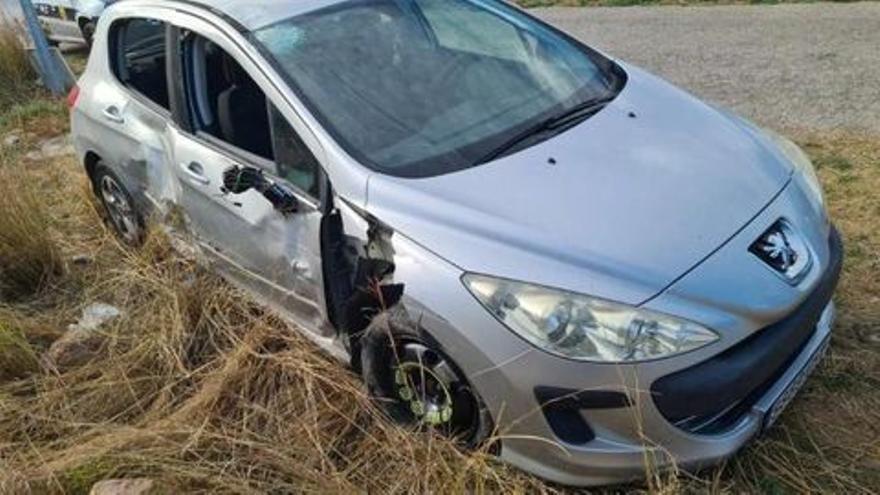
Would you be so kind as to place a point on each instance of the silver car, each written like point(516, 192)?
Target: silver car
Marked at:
point(515, 238)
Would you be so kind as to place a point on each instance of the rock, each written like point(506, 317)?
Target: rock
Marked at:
point(82, 260)
point(11, 140)
point(137, 486)
point(52, 148)
point(185, 249)
point(82, 342)
point(75, 348)
point(94, 316)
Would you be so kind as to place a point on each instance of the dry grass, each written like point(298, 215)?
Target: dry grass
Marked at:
point(29, 261)
point(206, 392)
point(16, 74)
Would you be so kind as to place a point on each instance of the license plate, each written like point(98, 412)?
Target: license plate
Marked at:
point(795, 386)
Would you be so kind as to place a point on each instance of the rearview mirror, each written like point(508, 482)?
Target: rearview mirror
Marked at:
point(238, 180)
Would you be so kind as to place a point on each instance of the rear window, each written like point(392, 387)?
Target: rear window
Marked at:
point(139, 61)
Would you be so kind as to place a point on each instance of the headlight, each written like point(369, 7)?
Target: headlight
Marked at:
point(802, 164)
point(585, 328)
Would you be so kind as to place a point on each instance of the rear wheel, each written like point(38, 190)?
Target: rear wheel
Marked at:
point(122, 212)
point(417, 384)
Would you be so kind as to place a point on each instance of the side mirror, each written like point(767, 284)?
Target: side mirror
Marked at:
point(282, 199)
point(238, 180)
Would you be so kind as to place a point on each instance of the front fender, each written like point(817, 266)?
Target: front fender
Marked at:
point(437, 301)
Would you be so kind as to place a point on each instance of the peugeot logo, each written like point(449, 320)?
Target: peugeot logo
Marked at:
point(779, 250)
point(783, 250)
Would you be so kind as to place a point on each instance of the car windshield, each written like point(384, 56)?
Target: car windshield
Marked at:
point(417, 88)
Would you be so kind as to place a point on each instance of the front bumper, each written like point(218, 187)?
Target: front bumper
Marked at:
point(632, 418)
point(710, 397)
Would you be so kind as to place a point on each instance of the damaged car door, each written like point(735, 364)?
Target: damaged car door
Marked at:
point(266, 234)
point(129, 113)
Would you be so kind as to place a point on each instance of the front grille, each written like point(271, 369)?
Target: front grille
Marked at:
point(713, 396)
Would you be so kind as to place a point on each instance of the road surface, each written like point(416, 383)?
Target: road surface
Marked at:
point(796, 66)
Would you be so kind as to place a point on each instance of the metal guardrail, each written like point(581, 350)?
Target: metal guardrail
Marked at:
point(51, 70)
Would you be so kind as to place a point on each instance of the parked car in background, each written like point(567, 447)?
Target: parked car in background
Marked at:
point(70, 21)
point(510, 235)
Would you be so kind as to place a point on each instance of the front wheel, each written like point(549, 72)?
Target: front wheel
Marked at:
point(417, 384)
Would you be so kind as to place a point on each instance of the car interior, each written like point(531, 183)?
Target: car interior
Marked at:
point(380, 72)
point(224, 101)
point(227, 103)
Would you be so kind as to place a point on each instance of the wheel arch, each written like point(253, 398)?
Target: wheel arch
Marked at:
point(90, 163)
point(403, 323)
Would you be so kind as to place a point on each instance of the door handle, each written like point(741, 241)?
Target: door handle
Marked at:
point(114, 114)
point(196, 172)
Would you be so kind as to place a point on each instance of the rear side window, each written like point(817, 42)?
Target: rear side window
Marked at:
point(139, 59)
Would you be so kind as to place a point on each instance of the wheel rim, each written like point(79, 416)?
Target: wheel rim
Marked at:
point(122, 215)
point(432, 392)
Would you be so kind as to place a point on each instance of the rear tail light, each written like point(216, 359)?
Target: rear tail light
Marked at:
point(73, 97)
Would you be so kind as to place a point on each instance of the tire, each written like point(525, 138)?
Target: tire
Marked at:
point(88, 32)
point(453, 408)
point(122, 213)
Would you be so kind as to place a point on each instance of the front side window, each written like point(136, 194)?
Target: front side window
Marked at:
point(139, 58)
point(417, 88)
point(225, 103)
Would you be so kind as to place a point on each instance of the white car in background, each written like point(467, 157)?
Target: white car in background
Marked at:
point(70, 21)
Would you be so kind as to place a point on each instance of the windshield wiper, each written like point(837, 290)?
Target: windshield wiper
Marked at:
point(554, 123)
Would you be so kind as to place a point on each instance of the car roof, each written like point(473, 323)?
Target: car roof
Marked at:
point(251, 16)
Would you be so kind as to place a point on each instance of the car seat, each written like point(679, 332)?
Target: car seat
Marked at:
point(242, 112)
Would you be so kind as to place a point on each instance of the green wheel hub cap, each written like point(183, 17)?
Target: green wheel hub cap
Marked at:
point(425, 382)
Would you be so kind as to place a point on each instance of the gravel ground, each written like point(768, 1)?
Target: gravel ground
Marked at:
point(796, 66)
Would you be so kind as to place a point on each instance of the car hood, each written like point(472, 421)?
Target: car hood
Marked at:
point(640, 194)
